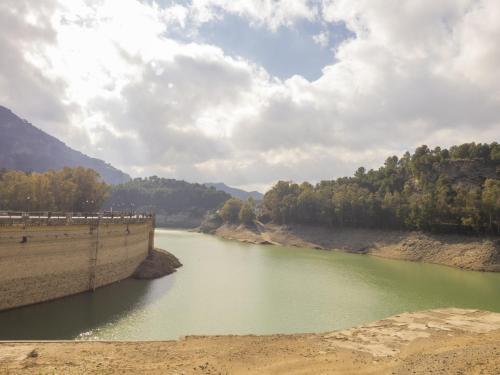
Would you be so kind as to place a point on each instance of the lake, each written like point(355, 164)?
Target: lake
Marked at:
point(227, 287)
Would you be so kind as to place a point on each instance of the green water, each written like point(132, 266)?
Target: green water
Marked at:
point(227, 287)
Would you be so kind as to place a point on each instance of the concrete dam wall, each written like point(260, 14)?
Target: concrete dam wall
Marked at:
point(43, 258)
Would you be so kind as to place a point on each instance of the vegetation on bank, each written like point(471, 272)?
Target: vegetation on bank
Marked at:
point(69, 189)
point(176, 203)
point(235, 211)
point(455, 190)
point(82, 190)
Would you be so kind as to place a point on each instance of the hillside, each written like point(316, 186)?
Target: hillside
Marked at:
point(178, 204)
point(26, 148)
point(236, 193)
point(438, 190)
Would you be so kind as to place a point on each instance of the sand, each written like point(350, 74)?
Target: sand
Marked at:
point(465, 252)
point(446, 341)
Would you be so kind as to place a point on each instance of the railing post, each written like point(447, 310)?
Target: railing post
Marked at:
point(151, 242)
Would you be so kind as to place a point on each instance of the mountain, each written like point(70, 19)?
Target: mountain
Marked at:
point(177, 204)
point(236, 193)
point(26, 148)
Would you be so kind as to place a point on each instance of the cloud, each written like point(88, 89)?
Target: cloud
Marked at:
point(400, 78)
point(268, 13)
point(112, 79)
point(181, 109)
point(322, 39)
point(25, 33)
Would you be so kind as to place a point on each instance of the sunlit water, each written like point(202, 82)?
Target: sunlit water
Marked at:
point(227, 287)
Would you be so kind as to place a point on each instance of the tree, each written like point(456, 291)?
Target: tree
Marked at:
point(443, 199)
point(495, 151)
point(247, 214)
point(230, 212)
point(491, 203)
point(308, 205)
point(427, 190)
point(166, 197)
point(91, 191)
point(468, 206)
point(70, 189)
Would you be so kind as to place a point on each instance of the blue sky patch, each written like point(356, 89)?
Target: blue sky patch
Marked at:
point(284, 52)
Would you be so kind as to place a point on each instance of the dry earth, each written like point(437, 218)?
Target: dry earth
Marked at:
point(446, 341)
point(466, 252)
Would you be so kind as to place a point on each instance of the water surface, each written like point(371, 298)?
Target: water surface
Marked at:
point(227, 287)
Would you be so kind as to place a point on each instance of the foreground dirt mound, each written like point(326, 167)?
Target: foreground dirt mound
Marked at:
point(159, 263)
point(467, 252)
point(445, 341)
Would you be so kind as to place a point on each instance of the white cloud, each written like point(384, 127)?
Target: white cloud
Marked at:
point(106, 77)
point(322, 39)
point(269, 13)
point(25, 31)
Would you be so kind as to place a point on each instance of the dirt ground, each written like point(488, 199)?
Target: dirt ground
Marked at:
point(466, 252)
point(446, 341)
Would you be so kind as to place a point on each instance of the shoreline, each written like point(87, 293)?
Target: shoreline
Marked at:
point(438, 341)
point(453, 250)
point(157, 264)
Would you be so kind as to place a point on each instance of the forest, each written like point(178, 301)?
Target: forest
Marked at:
point(453, 190)
point(155, 193)
point(176, 203)
point(440, 190)
point(69, 189)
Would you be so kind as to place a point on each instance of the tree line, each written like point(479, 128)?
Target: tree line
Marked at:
point(236, 211)
point(69, 189)
point(164, 195)
point(441, 190)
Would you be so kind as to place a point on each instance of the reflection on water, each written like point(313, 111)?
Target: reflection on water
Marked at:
point(78, 316)
point(227, 287)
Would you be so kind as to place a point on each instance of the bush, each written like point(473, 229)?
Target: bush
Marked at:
point(230, 212)
point(247, 214)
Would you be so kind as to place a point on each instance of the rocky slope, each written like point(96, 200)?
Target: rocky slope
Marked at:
point(466, 252)
point(158, 264)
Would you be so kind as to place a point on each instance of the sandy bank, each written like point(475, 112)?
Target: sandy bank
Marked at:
point(466, 252)
point(158, 263)
point(438, 341)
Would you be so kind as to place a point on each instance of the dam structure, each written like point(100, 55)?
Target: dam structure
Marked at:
point(44, 256)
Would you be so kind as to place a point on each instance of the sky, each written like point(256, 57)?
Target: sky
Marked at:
point(249, 92)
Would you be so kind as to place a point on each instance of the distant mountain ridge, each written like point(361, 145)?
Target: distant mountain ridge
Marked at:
point(235, 192)
point(24, 147)
point(176, 203)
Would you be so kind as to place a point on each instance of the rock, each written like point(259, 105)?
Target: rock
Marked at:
point(158, 264)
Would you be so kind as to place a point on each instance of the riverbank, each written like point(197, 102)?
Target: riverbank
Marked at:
point(465, 252)
point(437, 341)
point(157, 264)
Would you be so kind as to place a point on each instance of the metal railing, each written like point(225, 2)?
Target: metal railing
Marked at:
point(72, 218)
